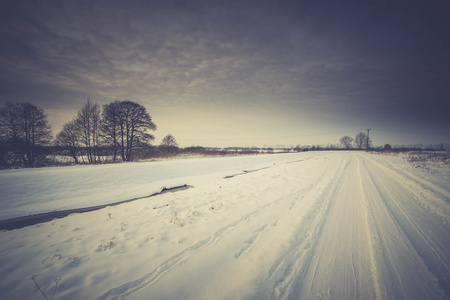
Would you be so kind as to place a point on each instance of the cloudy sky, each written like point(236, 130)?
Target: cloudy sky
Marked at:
point(238, 73)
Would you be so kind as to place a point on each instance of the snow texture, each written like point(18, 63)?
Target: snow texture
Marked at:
point(319, 225)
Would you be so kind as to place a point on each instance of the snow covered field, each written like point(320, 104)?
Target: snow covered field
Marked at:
point(330, 225)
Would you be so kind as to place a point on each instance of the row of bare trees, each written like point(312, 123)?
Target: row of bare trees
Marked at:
point(361, 141)
point(119, 128)
point(121, 125)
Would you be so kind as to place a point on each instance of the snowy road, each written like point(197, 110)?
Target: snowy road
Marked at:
point(340, 225)
point(375, 240)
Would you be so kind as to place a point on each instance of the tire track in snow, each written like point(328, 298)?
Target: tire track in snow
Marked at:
point(422, 183)
point(340, 267)
point(385, 240)
point(431, 196)
point(418, 235)
point(368, 217)
point(292, 263)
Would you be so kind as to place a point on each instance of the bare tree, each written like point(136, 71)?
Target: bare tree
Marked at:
point(346, 141)
point(25, 129)
point(111, 123)
point(169, 144)
point(68, 138)
point(87, 123)
point(361, 140)
point(126, 124)
point(169, 140)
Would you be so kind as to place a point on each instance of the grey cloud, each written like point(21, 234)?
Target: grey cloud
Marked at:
point(346, 58)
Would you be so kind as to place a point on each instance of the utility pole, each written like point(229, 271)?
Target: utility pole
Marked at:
point(368, 140)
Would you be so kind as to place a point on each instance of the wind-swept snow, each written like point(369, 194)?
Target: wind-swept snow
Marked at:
point(331, 225)
point(33, 191)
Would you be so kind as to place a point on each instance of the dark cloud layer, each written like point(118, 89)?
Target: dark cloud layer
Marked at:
point(358, 64)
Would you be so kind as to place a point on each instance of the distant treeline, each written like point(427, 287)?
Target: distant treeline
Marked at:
point(117, 132)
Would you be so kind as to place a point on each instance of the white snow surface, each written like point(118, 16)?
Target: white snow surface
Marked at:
point(318, 225)
point(32, 191)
